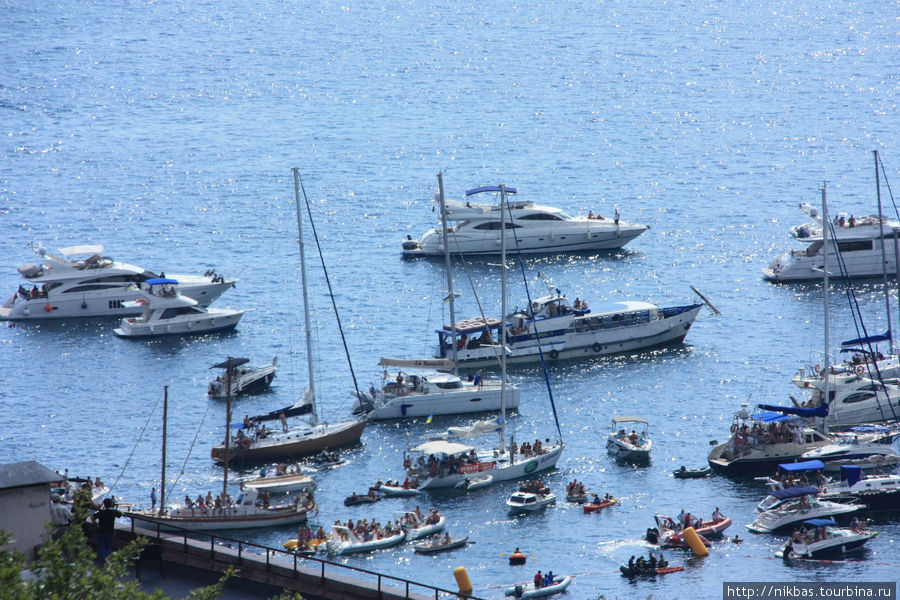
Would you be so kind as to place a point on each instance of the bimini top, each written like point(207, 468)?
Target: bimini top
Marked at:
point(489, 188)
point(231, 362)
point(162, 281)
point(795, 492)
point(806, 465)
point(820, 522)
point(629, 420)
point(442, 447)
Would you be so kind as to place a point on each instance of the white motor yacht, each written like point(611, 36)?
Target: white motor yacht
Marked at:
point(824, 538)
point(857, 399)
point(568, 331)
point(862, 448)
point(432, 393)
point(81, 282)
point(167, 312)
point(634, 446)
point(797, 510)
point(538, 229)
point(529, 502)
point(866, 246)
point(877, 492)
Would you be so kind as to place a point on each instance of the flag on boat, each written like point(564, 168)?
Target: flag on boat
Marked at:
point(429, 419)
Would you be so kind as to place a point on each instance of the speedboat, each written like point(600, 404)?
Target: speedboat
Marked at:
point(432, 393)
point(279, 482)
point(866, 246)
point(867, 448)
point(528, 590)
point(568, 330)
point(439, 545)
point(167, 312)
point(475, 482)
point(776, 498)
point(667, 532)
point(685, 473)
point(877, 492)
point(345, 541)
point(448, 464)
point(634, 446)
point(537, 228)
point(242, 380)
point(417, 527)
point(758, 443)
point(797, 510)
point(826, 539)
point(529, 502)
point(80, 282)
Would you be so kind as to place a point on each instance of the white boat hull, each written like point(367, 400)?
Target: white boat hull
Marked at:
point(214, 319)
point(282, 484)
point(529, 591)
point(450, 403)
point(787, 515)
point(240, 517)
point(337, 547)
point(502, 471)
point(583, 237)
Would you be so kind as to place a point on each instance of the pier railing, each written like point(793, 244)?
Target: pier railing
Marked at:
point(225, 551)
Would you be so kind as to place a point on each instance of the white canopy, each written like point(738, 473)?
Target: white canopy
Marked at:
point(420, 363)
point(442, 447)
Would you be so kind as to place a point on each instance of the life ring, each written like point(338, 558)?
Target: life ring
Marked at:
point(860, 369)
point(244, 443)
point(554, 354)
point(597, 347)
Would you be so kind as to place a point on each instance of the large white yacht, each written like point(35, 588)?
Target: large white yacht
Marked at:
point(568, 330)
point(859, 240)
point(538, 229)
point(81, 282)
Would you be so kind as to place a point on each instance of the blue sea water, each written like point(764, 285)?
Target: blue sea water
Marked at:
point(166, 131)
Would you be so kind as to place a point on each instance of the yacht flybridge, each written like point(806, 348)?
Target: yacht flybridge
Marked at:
point(81, 282)
point(538, 229)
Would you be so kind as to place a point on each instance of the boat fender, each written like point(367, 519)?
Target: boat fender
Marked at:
point(597, 347)
point(244, 443)
point(462, 580)
point(554, 354)
point(693, 540)
point(48, 308)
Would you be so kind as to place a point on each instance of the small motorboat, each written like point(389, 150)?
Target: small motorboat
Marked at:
point(279, 482)
point(395, 491)
point(633, 447)
point(685, 473)
point(440, 545)
point(417, 527)
point(529, 502)
point(826, 538)
point(797, 510)
point(527, 590)
point(667, 532)
point(345, 541)
point(240, 380)
point(648, 572)
point(355, 499)
point(577, 498)
point(595, 505)
point(475, 482)
point(294, 546)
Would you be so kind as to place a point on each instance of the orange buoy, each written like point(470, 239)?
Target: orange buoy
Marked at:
point(48, 308)
point(462, 580)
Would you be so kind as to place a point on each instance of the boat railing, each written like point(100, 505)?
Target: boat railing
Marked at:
point(226, 551)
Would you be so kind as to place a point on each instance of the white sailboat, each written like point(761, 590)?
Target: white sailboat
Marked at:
point(447, 464)
point(308, 438)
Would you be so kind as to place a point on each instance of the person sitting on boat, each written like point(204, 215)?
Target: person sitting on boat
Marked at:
point(447, 539)
point(717, 515)
point(538, 447)
point(652, 562)
point(640, 564)
point(595, 499)
point(804, 502)
point(633, 437)
point(548, 578)
point(662, 563)
point(631, 563)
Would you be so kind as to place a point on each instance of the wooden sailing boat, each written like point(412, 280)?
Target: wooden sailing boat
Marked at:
point(244, 512)
point(501, 464)
point(307, 438)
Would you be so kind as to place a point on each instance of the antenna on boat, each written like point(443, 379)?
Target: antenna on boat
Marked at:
point(887, 293)
point(450, 294)
point(504, 349)
point(825, 284)
point(314, 418)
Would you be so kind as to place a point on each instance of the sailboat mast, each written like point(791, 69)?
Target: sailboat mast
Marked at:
point(309, 357)
point(162, 479)
point(887, 292)
point(502, 315)
point(228, 371)
point(440, 177)
point(825, 225)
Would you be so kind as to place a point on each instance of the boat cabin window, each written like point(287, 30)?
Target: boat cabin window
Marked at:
point(494, 225)
point(855, 246)
point(449, 385)
point(857, 397)
point(539, 217)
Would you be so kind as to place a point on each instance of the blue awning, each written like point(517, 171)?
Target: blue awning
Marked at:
point(872, 339)
point(489, 188)
point(769, 417)
point(161, 280)
point(819, 411)
point(820, 522)
point(851, 474)
point(795, 492)
point(806, 465)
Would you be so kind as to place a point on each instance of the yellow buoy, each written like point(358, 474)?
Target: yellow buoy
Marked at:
point(291, 544)
point(693, 540)
point(462, 580)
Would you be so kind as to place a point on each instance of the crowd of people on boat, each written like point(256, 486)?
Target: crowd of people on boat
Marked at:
point(34, 292)
point(209, 505)
point(650, 564)
point(528, 449)
point(365, 530)
point(309, 539)
point(542, 581)
point(576, 489)
point(745, 438)
point(789, 479)
point(534, 486)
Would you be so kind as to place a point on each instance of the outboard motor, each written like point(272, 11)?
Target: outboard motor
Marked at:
point(652, 535)
point(518, 591)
